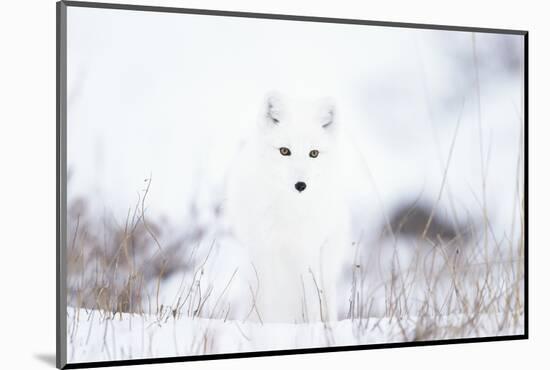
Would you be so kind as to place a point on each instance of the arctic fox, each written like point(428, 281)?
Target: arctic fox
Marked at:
point(285, 205)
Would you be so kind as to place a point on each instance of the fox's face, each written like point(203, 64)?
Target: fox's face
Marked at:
point(297, 145)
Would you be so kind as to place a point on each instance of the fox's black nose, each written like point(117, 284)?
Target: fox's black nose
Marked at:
point(300, 186)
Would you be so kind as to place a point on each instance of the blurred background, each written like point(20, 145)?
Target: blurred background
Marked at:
point(158, 105)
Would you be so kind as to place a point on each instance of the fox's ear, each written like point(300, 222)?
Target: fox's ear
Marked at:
point(272, 110)
point(328, 116)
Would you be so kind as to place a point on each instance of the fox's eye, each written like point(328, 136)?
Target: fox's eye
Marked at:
point(284, 151)
point(314, 153)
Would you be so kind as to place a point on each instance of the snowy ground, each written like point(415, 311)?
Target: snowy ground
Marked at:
point(95, 336)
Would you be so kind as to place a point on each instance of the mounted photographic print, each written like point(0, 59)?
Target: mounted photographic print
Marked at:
point(239, 184)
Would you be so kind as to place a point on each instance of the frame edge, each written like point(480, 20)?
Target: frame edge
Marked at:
point(61, 186)
point(288, 17)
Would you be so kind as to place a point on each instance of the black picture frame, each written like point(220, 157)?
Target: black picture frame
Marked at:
point(61, 186)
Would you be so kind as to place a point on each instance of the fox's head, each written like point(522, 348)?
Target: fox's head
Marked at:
point(298, 142)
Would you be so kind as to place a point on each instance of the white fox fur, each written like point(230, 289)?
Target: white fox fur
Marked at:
point(298, 241)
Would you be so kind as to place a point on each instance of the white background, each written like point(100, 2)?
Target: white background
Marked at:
point(27, 186)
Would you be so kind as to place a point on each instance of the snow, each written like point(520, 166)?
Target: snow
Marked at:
point(95, 336)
